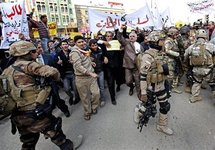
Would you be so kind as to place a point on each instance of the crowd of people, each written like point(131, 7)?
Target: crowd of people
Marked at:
point(151, 61)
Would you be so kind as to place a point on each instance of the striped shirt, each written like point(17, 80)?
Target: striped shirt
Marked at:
point(43, 30)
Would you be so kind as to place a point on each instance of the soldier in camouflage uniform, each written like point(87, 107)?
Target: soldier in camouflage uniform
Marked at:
point(172, 51)
point(200, 58)
point(151, 65)
point(32, 115)
point(183, 43)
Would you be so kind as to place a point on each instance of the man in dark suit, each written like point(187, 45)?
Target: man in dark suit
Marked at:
point(47, 60)
point(131, 50)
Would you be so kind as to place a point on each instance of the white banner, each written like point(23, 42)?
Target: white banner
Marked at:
point(201, 6)
point(15, 22)
point(99, 21)
point(141, 18)
point(157, 18)
point(166, 18)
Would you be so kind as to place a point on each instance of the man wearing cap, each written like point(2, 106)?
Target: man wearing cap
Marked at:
point(86, 78)
point(33, 114)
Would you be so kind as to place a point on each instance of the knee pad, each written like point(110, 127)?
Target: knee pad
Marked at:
point(162, 95)
point(164, 107)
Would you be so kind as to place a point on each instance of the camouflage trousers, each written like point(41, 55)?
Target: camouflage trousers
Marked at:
point(88, 90)
point(198, 78)
point(30, 129)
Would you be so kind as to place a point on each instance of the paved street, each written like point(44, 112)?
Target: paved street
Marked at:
point(113, 127)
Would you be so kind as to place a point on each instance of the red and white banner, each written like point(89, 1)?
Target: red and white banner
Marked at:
point(14, 22)
point(99, 21)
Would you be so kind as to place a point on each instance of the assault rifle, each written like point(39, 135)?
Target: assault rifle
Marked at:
point(147, 110)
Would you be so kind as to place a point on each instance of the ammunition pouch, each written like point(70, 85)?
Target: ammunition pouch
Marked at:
point(43, 95)
point(155, 77)
point(159, 67)
point(197, 61)
point(213, 58)
point(7, 105)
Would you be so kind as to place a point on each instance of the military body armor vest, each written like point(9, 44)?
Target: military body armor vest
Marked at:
point(200, 56)
point(156, 72)
point(26, 96)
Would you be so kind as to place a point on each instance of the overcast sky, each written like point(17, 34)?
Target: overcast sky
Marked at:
point(178, 8)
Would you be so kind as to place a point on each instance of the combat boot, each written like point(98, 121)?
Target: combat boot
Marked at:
point(68, 145)
point(187, 89)
point(162, 124)
point(176, 90)
point(194, 99)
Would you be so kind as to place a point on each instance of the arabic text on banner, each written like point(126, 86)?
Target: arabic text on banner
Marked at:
point(15, 22)
point(99, 21)
point(201, 6)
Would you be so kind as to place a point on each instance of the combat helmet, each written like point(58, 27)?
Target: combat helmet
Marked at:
point(155, 36)
point(172, 31)
point(184, 30)
point(21, 48)
point(201, 33)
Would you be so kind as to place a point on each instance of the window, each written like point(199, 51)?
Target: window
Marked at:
point(43, 8)
point(70, 11)
point(51, 8)
point(62, 9)
point(55, 8)
point(53, 18)
point(64, 19)
point(66, 9)
point(72, 20)
point(39, 8)
point(67, 18)
point(57, 19)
